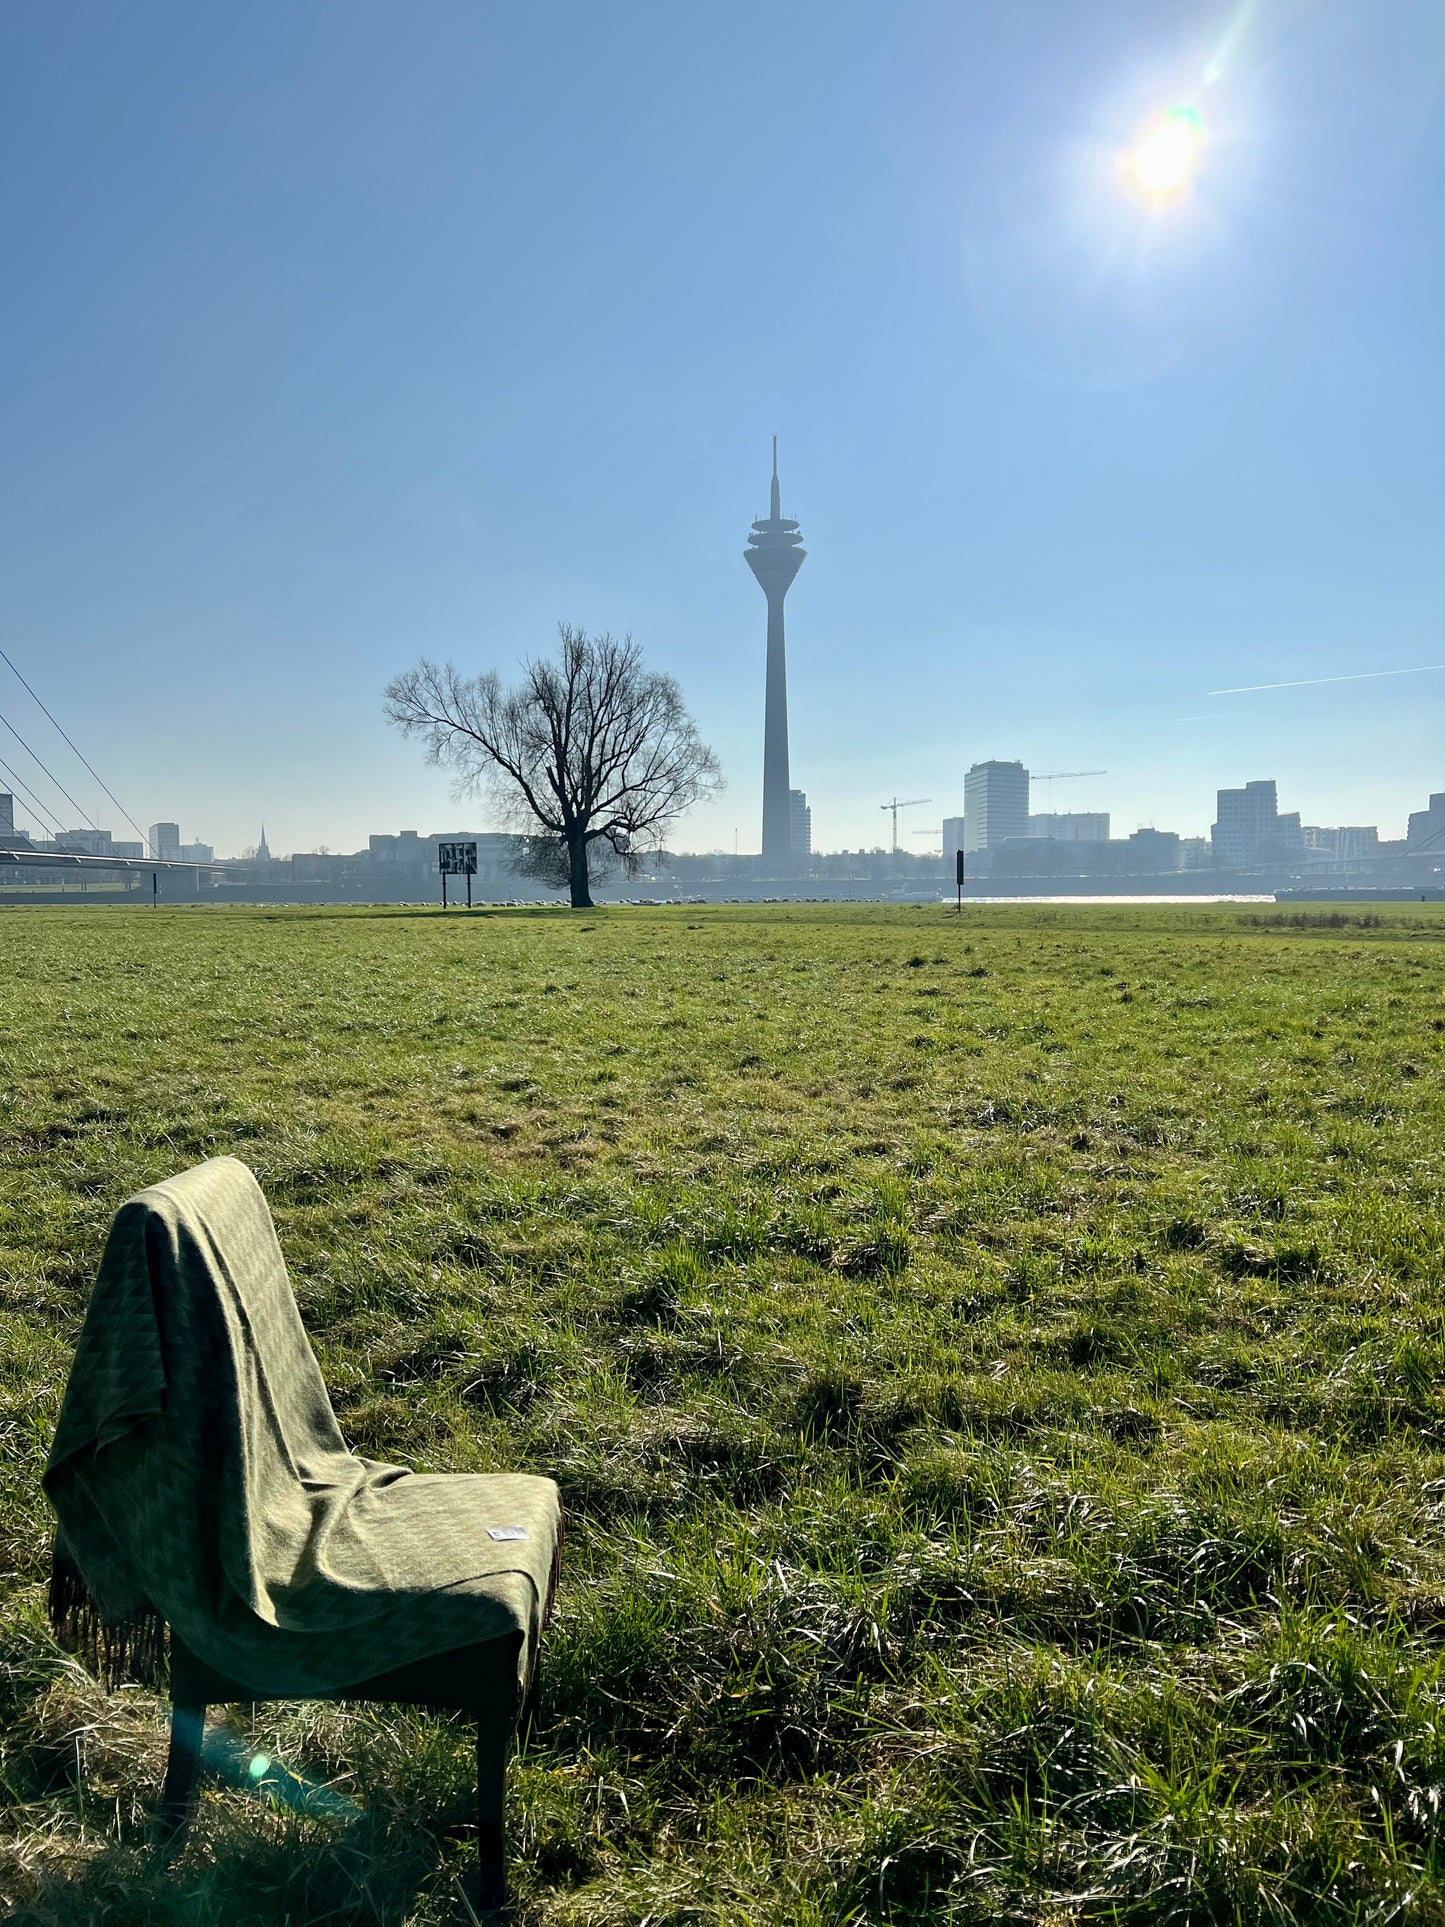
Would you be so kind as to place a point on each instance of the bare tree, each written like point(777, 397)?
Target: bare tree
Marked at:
point(589, 749)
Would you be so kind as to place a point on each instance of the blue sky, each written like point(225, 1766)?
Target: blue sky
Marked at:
point(333, 336)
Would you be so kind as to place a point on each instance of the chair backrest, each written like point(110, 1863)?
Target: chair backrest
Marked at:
point(195, 1418)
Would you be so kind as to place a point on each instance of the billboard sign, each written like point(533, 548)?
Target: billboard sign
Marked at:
point(457, 859)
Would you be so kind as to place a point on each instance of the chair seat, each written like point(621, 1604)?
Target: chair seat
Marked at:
point(479, 1679)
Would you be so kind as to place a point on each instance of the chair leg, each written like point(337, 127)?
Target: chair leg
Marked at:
point(188, 1725)
point(491, 1816)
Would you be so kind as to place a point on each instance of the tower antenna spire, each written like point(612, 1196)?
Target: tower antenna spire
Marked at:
point(776, 509)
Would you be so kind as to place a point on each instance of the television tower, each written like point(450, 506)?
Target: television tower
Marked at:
point(775, 554)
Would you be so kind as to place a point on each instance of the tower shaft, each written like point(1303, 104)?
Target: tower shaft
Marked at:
point(777, 809)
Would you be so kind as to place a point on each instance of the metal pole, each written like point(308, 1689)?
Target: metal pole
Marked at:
point(469, 889)
point(444, 889)
point(155, 887)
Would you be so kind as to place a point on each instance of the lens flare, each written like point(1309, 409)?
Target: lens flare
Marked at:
point(1164, 158)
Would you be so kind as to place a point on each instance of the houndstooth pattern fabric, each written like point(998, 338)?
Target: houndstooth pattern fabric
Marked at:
point(198, 1468)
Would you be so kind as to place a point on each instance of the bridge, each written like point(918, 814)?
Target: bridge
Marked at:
point(71, 862)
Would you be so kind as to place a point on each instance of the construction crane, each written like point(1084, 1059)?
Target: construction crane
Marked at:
point(1064, 776)
point(902, 803)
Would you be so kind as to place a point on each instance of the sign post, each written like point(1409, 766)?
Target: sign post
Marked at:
point(958, 868)
point(457, 860)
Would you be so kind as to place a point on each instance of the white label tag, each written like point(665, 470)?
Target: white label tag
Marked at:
point(506, 1532)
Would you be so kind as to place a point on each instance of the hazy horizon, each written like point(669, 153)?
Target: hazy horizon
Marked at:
point(336, 339)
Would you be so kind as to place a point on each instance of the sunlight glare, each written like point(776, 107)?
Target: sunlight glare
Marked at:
point(1164, 157)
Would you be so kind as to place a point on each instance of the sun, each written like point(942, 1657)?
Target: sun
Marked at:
point(1164, 157)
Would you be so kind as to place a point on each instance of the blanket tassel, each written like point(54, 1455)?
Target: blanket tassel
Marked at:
point(132, 1649)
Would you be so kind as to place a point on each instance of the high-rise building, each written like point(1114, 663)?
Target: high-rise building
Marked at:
point(7, 813)
point(995, 804)
point(405, 847)
point(775, 554)
point(1426, 830)
point(952, 838)
point(1153, 850)
point(197, 853)
point(1355, 840)
point(1346, 844)
point(1072, 826)
point(85, 842)
point(1251, 832)
point(800, 820)
point(165, 842)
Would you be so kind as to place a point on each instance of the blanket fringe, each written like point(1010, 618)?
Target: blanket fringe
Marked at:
point(117, 1651)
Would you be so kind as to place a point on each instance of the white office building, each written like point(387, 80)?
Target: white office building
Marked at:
point(995, 804)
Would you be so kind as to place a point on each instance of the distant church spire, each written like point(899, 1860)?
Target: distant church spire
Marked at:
point(263, 855)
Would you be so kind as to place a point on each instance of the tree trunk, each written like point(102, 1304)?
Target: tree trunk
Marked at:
point(577, 868)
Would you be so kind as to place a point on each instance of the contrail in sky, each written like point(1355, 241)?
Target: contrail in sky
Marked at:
point(1308, 682)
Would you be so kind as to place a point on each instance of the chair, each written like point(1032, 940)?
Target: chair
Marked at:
point(480, 1680)
point(202, 1486)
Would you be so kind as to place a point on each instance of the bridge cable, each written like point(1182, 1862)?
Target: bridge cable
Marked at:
point(145, 840)
point(49, 772)
point(35, 807)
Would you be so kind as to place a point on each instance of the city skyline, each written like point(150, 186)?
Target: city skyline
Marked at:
point(999, 807)
point(304, 398)
point(1253, 845)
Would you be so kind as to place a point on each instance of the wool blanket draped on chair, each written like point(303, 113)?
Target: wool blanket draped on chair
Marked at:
point(200, 1478)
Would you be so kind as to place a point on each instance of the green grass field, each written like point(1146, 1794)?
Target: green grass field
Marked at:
point(994, 1369)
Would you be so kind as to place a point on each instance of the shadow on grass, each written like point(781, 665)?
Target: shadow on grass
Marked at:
point(368, 1873)
point(291, 1850)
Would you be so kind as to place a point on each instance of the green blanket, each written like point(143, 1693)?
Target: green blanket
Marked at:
point(199, 1477)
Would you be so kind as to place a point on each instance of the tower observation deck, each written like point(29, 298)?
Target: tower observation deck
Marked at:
point(775, 553)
